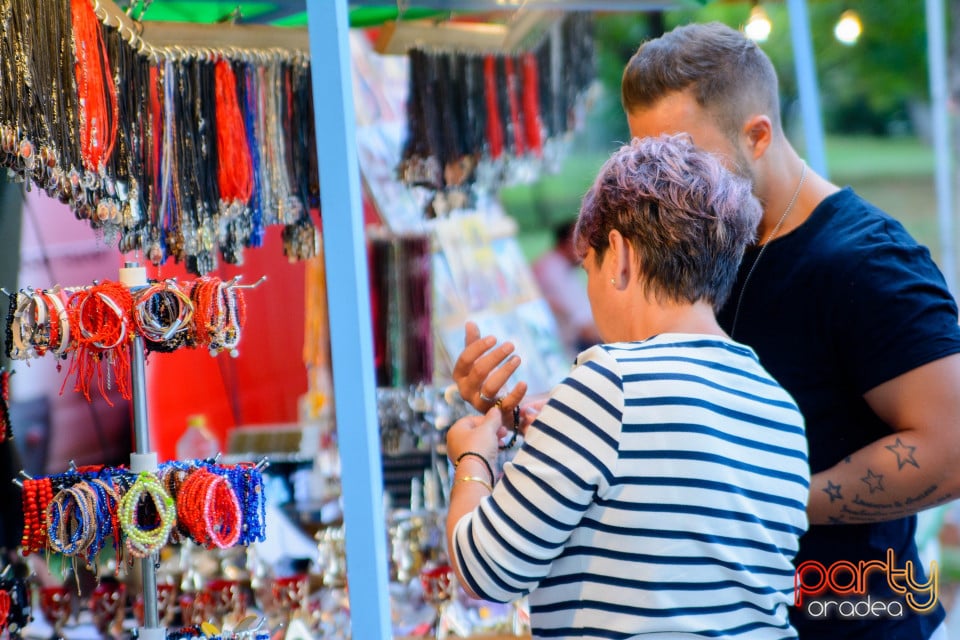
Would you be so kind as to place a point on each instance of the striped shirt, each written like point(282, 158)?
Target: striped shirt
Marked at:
point(661, 493)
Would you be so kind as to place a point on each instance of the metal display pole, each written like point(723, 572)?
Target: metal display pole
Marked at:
point(135, 277)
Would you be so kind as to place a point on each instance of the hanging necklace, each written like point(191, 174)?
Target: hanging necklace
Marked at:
point(773, 234)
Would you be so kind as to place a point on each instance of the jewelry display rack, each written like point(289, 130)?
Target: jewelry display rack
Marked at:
point(147, 38)
point(354, 387)
point(143, 459)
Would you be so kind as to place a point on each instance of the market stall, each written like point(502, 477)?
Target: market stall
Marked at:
point(361, 363)
point(130, 154)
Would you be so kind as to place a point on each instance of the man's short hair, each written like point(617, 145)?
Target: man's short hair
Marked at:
point(726, 72)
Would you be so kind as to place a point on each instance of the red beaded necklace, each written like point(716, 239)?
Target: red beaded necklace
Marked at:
point(95, 88)
point(494, 125)
point(235, 170)
point(532, 122)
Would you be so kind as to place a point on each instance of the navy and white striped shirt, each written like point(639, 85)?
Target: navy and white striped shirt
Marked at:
point(660, 494)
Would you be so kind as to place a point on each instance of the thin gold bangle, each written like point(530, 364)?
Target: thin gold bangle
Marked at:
point(476, 479)
point(481, 457)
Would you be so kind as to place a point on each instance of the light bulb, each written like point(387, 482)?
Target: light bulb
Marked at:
point(758, 26)
point(848, 28)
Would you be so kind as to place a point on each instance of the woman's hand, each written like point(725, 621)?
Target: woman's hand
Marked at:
point(483, 368)
point(477, 434)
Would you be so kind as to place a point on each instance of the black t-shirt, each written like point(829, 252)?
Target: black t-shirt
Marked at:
point(843, 303)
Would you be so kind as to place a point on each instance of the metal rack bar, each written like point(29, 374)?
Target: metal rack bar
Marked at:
point(204, 36)
point(562, 5)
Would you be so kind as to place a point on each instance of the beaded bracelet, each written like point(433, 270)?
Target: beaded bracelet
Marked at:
point(5, 602)
point(172, 475)
point(513, 434)
point(207, 505)
point(210, 316)
point(142, 542)
point(235, 312)
point(254, 506)
point(221, 514)
point(247, 482)
point(161, 312)
point(37, 494)
point(32, 520)
point(70, 524)
point(12, 305)
point(107, 515)
point(6, 427)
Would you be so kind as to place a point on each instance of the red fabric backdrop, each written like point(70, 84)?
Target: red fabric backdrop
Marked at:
point(261, 385)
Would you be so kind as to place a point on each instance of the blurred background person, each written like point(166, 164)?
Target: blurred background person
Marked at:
point(558, 274)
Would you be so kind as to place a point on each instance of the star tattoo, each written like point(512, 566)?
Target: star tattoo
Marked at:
point(904, 454)
point(833, 490)
point(873, 480)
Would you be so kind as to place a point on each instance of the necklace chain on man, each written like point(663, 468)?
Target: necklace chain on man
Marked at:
point(763, 247)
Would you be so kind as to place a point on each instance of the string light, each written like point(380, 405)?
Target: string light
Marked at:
point(758, 25)
point(848, 28)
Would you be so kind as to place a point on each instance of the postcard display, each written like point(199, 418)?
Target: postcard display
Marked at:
point(446, 252)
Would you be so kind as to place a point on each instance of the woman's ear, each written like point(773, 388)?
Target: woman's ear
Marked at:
point(620, 259)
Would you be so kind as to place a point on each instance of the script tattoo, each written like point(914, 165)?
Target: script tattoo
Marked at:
point(869, 510)
point(904, 454)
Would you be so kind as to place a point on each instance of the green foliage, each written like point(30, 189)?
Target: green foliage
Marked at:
point(617, 37)
point(863, 88)
point(887, 64)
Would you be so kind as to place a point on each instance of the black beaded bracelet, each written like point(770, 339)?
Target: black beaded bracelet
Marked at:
point(516, 429)
point(486, 463)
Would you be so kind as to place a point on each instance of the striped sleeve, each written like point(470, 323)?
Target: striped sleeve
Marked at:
point(506, 546)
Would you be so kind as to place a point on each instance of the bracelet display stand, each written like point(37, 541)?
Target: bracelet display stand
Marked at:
point(225, 505)
point(135, 277)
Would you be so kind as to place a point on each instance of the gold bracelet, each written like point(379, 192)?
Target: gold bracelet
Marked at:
point(476, 479)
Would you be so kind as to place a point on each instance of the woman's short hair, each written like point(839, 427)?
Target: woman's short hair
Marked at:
point(726, 72)
point(687, 217)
